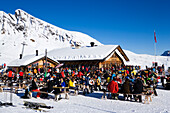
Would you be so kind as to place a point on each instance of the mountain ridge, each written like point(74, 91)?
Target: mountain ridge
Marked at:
point(37, 34)
point(166, 53)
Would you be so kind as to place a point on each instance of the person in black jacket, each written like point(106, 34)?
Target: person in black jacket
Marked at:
point(50, 85)
point(126, 88)
point(34, 87)
point(138, 88)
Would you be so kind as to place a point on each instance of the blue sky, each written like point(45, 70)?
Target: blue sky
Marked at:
point(129, 23)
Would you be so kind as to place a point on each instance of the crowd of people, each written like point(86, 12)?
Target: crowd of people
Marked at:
point(127, 80)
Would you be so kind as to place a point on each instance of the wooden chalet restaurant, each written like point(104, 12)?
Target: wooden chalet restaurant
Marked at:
point(101, 56)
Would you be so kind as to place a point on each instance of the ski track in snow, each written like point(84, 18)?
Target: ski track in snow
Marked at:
point(93, 104)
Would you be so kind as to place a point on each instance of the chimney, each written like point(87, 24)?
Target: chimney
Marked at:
point(20, 56)
point(92, 44)
point(36, 53)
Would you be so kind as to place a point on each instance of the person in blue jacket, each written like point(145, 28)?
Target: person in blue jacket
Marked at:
point(63, 84)
point(113, 75)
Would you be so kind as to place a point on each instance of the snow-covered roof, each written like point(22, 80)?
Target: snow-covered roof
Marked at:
point(85, 53)
point(101, 52)
point(28, 59)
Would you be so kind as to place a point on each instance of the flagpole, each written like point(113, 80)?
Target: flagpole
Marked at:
point(155, 45)
point(155, 52)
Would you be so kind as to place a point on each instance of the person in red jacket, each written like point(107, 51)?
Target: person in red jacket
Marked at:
point(21, 75)
point(62, 74)
point(80, 74)
point(4, 65)
point(113, 88)
point(10, 75)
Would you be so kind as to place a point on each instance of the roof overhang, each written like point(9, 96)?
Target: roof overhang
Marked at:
point(114, 51)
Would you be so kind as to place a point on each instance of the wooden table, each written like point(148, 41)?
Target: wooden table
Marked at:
point(65, 92)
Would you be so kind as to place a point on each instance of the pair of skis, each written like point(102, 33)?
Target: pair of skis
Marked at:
point(36, 106)
point(6, 104)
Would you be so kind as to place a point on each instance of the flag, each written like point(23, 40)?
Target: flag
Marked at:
point(59, 65)
point(155, 37)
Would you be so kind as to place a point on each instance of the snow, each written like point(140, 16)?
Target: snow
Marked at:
point(92, 103)
point(144, 60)
point(83, 53)
point(27, 60)
point(25, 28)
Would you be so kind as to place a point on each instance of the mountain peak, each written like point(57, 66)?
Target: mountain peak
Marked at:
point(166, 53)
point(20, 10)
point(36, 33)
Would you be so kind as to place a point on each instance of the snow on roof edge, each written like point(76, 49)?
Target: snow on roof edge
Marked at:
point(28, 59)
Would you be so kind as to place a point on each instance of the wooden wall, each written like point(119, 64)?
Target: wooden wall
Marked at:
point(80, 63)
point(113, 60)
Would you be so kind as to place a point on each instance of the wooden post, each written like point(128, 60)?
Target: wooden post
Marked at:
point(46, 61)
point(25, 72)
point(100, 65)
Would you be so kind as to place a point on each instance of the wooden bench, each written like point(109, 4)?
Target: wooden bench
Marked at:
point(56, 96)
point(15, 87)
point(62, 92)
point(80, 86)
point(147, 96)
point(76, 91)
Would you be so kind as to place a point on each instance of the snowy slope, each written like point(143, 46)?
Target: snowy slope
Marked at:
point(92, 103)
point(37, 34)
point(144, 60)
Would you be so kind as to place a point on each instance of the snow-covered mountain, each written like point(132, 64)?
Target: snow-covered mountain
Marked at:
point(21, 27)
point(166, 53)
